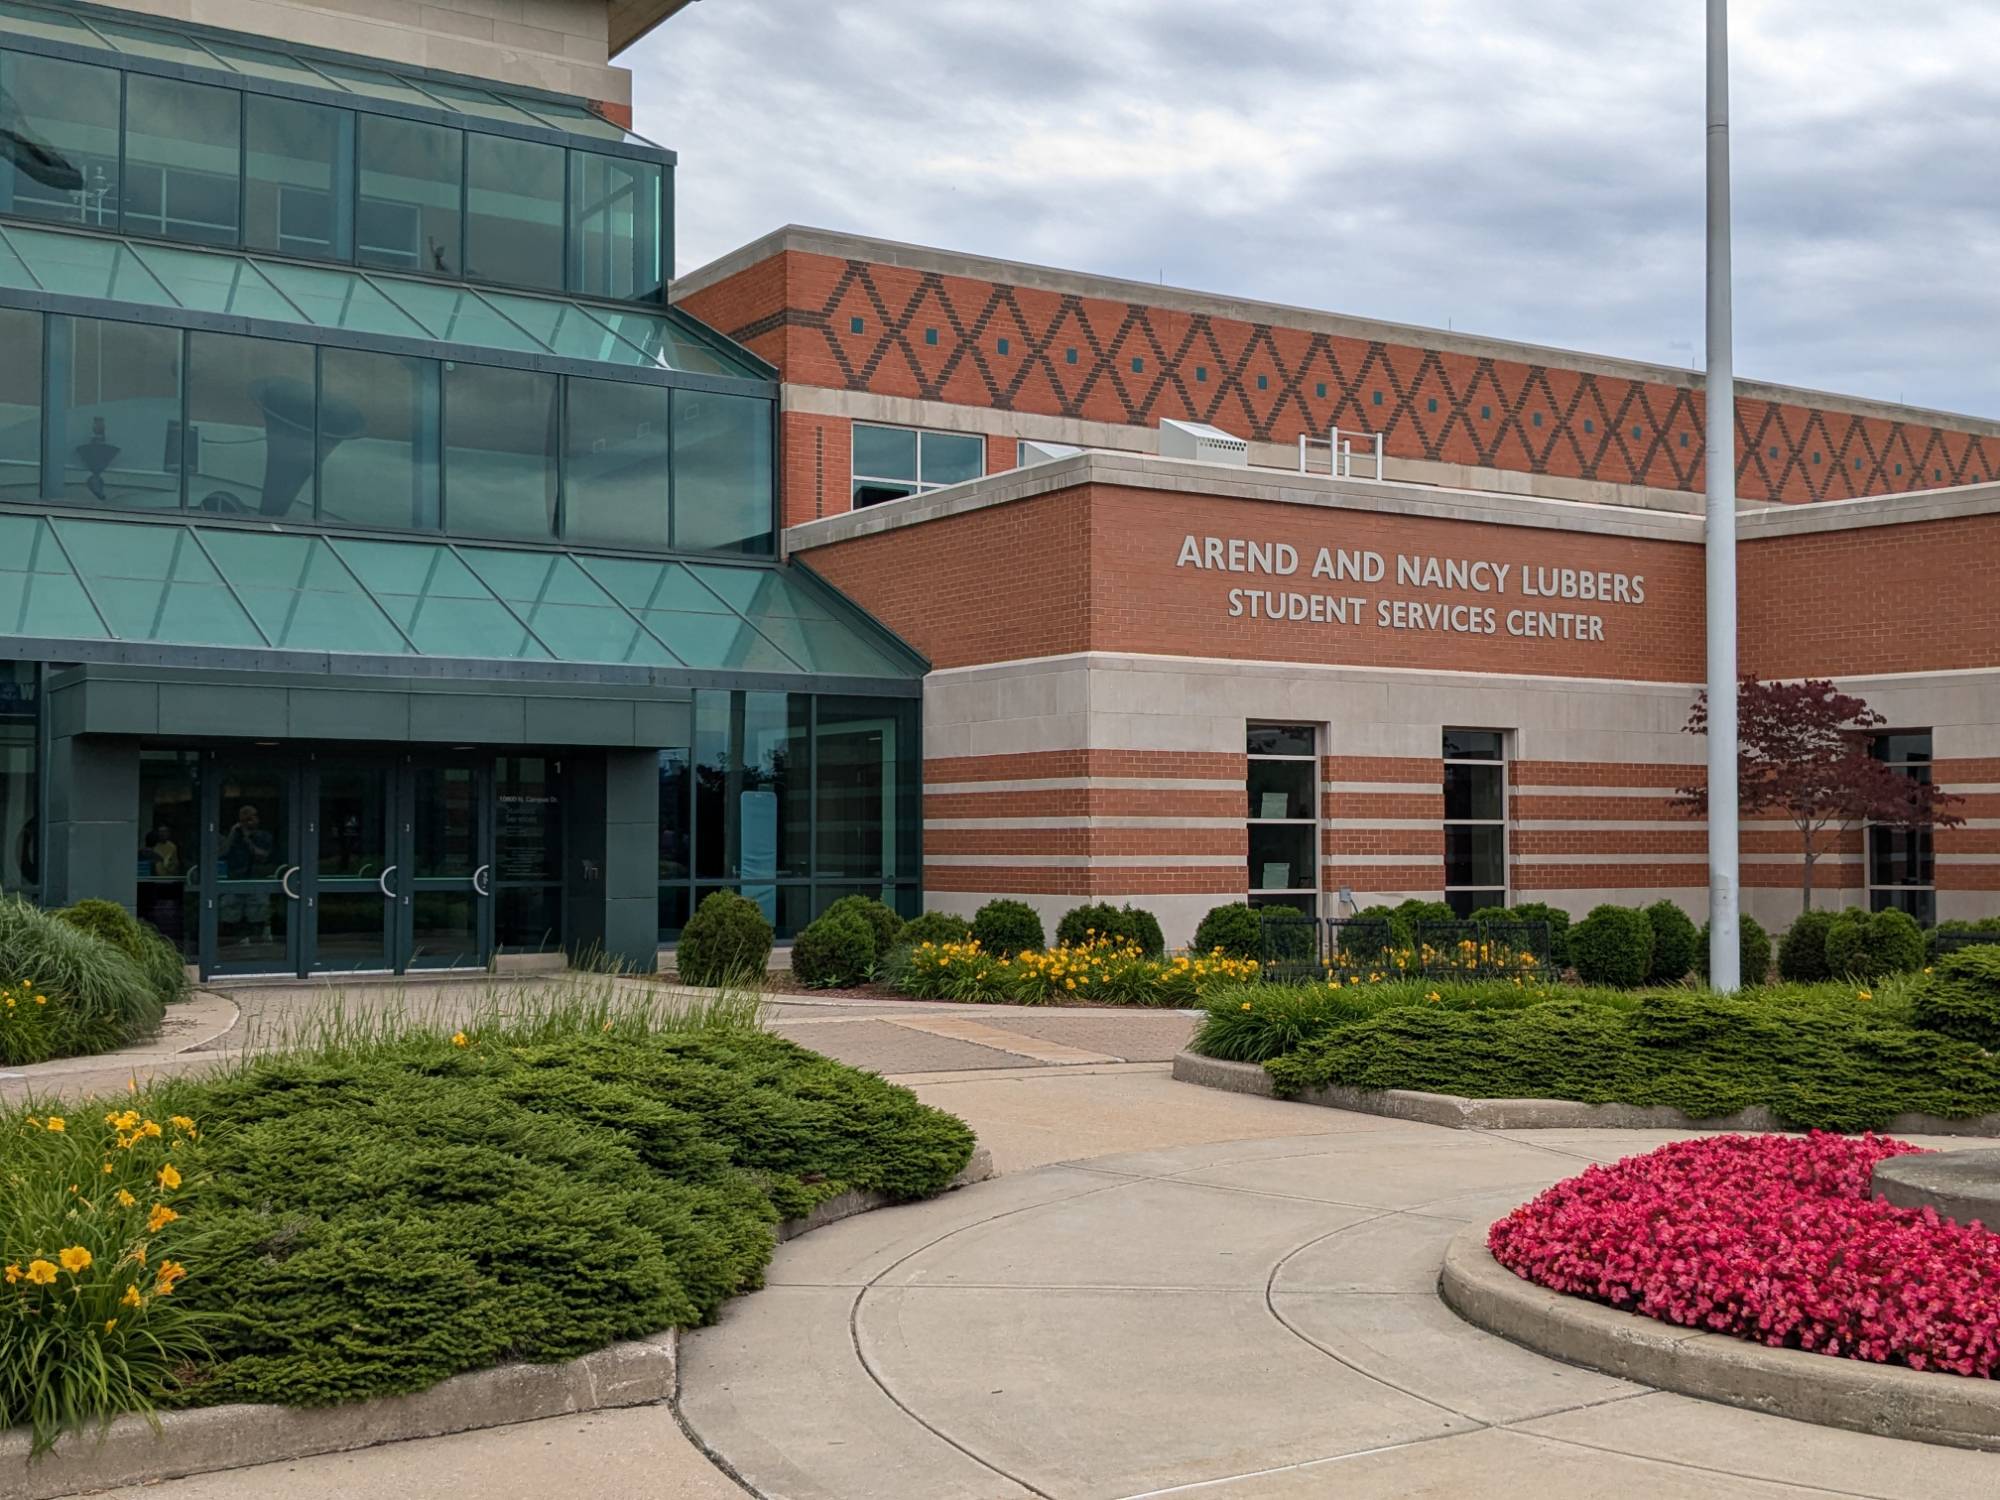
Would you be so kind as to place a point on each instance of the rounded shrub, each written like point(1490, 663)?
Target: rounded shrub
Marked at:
point(1233, 929)
point(94, 997)
point(836, 949)
point(1802, 951)
point(1557, 921)
point(1613, 946)
point(1103, 922)
point(726, 941)
point(1753, 950)
point(1895, 942)
point(1962, 997)
point(883, 923)
point(934, 927)
point(1676, 943)
point(1413, 915)
point(1848, 951)
point(159, 960)
point(1005, 927)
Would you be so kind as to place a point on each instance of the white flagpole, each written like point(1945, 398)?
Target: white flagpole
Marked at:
point(1724, 884)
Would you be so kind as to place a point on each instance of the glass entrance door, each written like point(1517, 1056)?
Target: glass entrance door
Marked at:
point(352, 911)
point(446, 887)
point(250, 923)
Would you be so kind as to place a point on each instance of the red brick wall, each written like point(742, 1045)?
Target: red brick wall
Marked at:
point(799, 310)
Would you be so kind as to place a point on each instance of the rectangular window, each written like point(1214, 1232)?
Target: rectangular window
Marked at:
point(1475, 819)
point(62, 158)
point(20, 404)
point(170, 845)
point(891, 462)
point(527, 854)
point(299, 189)
point(868, 794)
point(615, 213)
point(116, 393)
point(183, 160)
point(721, 473)
point(410, 175)
point(20, 698)
point(378, 440)
point(500, 439)
point(1282, 823)
point(615, 464)
point(1902, 863)
point(249, 443)
point(514, 218)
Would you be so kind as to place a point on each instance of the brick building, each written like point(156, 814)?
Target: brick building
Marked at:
point(1463, 674)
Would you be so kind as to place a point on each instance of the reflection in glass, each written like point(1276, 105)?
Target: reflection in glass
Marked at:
point(1282, 788)
point(676, 831)
point(20, 404)
point(615, 219)
point(300, 184)
point(1474, 792)
point(514, 211)
point(722, 473)
point(58, 140)
point(249, 443)
point(865, 763)
point(252, 861)
point(444, 929)
point(170, 845)
point(20, 854)
point(1279, 739)
point(409, 184)
point(500, 451)
point(1475, 856)
point(446, 839)
point(117, 390)
point(183, 159)
point(527, 854)
point(154, 583)
point(1282, 857)
point(378, 435)
point(615, 464)
point(952, 458)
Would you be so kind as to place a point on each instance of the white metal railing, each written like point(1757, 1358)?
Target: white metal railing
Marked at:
point(1339, 453)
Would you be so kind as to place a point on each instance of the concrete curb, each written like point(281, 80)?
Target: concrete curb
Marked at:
point(211, 1438)
point(188, 1026)
point(1886, 1400)
point(1455, 1113)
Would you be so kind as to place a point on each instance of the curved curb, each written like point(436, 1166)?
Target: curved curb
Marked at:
point(206, 1439)
point(1886, 1400)
point(190, 1024)
point(1456, 1113)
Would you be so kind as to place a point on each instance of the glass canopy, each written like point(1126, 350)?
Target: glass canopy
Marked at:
point(369, 302)
point(80, 579)
point(167, 43)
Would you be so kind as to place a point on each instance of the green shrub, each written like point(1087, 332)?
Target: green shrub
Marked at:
point(1868, 945)
point(726, 941)
point(1986, 928)
point(1753, 950)
point(1115, 924)
point(1802, 953)
point(1260, 1022)
point(1847, 944)
point(1413, 915)
point(159, 960)
point(1813, 1066)
point(1007, 927)
point(1962, 997)
point(835, 950)
point(93, 997)
point(1233, 929)
point(1897, 942)
point(1676, 943)
point(884, 924)
point(1613, 946)
point(1558, 922)
point(934, 927)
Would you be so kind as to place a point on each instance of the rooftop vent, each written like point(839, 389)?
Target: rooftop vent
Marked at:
point(1026, 452)
point(1202, 443)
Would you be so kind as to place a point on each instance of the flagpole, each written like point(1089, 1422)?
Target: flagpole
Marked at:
point(1724, 882)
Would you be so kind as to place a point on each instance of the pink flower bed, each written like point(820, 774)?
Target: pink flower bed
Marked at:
point(1772, 1238)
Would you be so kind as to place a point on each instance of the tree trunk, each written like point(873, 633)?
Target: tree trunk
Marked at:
point(1811, 855)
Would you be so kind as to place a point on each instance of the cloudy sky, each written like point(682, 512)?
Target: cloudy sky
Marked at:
point(1529, 169)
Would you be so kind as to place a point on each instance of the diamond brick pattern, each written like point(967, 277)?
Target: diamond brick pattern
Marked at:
point(1264, 380)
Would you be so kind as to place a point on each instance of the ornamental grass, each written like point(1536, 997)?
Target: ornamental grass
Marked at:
point(1099, 971)
point(1772, 1239)
point(65, 992)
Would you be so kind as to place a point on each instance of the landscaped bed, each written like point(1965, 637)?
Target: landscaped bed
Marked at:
point(1773, 1239)
point(390, 1207)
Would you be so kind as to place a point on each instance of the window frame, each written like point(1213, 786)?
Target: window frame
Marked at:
point(1257, 895)
point(1502, 893)
point(1923, 844)
point(918, 486)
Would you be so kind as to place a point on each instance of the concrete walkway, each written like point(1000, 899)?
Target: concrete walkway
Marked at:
point(1173, 1291)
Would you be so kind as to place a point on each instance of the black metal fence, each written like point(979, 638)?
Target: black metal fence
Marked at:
point(1944, 941)
point(1298, 948)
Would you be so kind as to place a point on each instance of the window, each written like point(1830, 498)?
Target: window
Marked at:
point(20, 698)
point(1475, 819)
point(115, 394)
point(514, 212)
point(299, 183)
point(722, 473)
point(20, 404)
point(378, 440)
point(62, 161)
point(890, 462)
point(615, 218)
point(1282, 789)
point(183, 159)
point(249, 442)
point(1902, 864)
point(170, 844)
point(409, 183)
point(615, 464)
point(527, 854)
point(500, 438)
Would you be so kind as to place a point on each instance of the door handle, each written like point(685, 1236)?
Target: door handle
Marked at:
point(479, 880)
point(285, 881)
point(382, 880)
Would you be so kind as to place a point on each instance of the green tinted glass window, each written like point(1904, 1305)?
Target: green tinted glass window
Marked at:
point(340, 299)
point(409, 175)
point(79, 265)
point(249, 435)
point(255, 62)
point(378, 440)
point(763, 591)
point(868, 776)
point(615, 464)
point(39, 594)
point(216, 283)
point(115, 389)
point(20, 404)
point(722, 473)
point(565, 607)
point(154, 584)
point(13, 270)
point(696, 625)
point(615, 214)
point(565, 328)
point(663, 343)
point(477, 102)
point(301, 594)
point(299, 189)
point(33, 20)
point(455, 314)
point(62, 125)
point(144, 41)
point(514, 211)
point(438, 601)
point(183, 159)
point(500, 451)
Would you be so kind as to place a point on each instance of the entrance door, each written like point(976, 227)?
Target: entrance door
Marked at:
point(353, 906)
point(252, 830)
point(446, 860)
